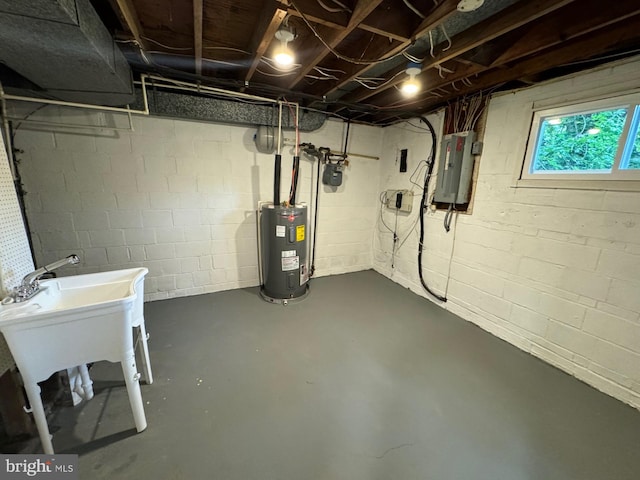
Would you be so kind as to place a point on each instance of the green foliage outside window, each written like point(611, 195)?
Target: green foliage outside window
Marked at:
point(582, 142)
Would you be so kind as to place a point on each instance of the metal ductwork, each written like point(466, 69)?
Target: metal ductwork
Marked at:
point(203, 108)
point(63, 48)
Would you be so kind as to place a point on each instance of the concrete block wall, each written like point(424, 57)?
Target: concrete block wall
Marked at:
point(179, 198)
point(555, 272)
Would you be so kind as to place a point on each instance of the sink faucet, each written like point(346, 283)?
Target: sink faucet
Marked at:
point(30, 285)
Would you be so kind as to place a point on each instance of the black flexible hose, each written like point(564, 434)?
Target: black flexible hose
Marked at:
point(315, 220)
point(423, 207)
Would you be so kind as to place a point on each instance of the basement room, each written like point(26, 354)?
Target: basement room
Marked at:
point(320, 239)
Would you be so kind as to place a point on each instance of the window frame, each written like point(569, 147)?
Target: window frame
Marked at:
point(630, 101)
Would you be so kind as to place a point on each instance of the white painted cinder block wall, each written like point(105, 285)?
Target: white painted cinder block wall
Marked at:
point(179, 197)
point(555, 272)
point(552, 271)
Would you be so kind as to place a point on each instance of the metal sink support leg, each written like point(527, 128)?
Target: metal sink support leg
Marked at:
point(33, 394)
point(146, 364)
point(131, 378)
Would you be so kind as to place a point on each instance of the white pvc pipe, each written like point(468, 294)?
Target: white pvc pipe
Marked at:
point(204, 88)
point(7, 131)
point(75, 105)
point(47, 101)
point(72, 125)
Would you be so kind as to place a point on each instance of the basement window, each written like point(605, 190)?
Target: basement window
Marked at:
point(588, 141)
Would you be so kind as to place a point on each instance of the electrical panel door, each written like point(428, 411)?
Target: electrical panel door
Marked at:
point(455, 168)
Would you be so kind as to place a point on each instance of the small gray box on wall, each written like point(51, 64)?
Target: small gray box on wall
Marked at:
point(332, 174)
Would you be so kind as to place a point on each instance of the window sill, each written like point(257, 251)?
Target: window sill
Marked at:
point(608, 185)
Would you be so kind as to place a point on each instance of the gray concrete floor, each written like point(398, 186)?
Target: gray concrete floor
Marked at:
point(362, 380)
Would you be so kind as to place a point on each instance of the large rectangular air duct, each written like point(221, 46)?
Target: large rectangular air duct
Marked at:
point(63, 47)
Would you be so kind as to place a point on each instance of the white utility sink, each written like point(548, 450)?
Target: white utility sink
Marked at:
point(77, 320)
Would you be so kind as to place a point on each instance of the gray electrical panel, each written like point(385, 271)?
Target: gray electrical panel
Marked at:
point(455, 168)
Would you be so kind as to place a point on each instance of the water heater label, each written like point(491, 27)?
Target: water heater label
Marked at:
point(280, 230)
point(290, 263)
point(300, 233)
point(288, 253)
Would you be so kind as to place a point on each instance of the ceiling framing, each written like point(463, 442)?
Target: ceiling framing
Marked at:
point(351, 53)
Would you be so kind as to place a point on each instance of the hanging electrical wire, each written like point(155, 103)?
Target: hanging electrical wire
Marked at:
point(283, 74)
point(271, 63)
point(315, 77)
point(325, 74)
point(151, 40)
point(448, 217)
point(357, 61)
point(414, 9)
point(180, 55)
point(463, 114)
point(412, 58)
point(231, 49)
point(331, 9)
point(444, 31)
point(431, 46)
point(327, 69)
point(340, 4)
point(383, 84)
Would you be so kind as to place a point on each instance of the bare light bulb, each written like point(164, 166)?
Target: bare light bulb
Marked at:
point(412, 85)
point(283, 55)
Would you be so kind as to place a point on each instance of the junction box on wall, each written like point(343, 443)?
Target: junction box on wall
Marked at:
point(401, 200)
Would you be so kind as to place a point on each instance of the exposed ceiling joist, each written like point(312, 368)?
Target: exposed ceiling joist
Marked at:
point(540, 37)
point(197, 35)
point(130, 16)
point(316, 15)
point(510, 19)
point(614, 37)
point(361, 11)
point(271, 17)
point(557, 30)
point(362, 41)
point(437, 16)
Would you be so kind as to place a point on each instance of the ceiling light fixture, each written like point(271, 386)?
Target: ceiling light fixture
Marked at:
point(469, 5)
point(282, 54)
point(412, 85)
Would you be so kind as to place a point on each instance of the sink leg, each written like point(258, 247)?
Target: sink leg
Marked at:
point(148, 376)
point(131, 378)
point(87, 383)
point(33, 394)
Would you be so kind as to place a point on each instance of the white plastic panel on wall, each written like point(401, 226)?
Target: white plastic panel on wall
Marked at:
point(15, 257)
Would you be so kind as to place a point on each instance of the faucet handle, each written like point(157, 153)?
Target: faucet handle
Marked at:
point(25, 291)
